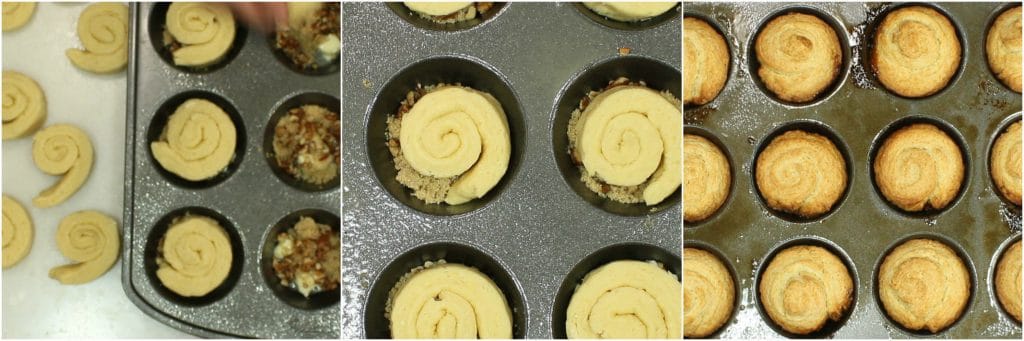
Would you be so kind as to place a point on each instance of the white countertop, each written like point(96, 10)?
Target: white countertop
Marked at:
point(33, 304)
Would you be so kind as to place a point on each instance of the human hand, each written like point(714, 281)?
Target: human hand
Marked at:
point(264, 16)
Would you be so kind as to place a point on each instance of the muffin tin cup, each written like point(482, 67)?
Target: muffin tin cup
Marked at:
point(638, 25)
point(731, 45)
point(991, 276)
point(975, 105)
point(717, 141)
point(414, 19)
point(248, 197)
point(291, 296)
point(1007, 204)
point(736, 281)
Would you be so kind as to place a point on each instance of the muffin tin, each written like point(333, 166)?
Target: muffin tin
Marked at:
point(252, 199)
point(538, 230)
point(974, 108)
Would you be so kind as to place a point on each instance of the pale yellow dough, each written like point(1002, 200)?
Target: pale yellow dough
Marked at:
point(17, 14)
point(447, 300)
point(61, 149)
point(198, 141)
point(630, 11)
point(205, 30)
point(17, 232)
point(103, 30)
point(194, 257)
point(24, 105)
point(91, 239)
point(626, 299)
point(437, 8)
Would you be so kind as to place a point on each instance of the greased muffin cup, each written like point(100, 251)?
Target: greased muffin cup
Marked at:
point(246, 199)
point(973, 109)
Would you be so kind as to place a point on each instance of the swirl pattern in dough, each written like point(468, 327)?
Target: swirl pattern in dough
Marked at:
point(198, 141)
point(706, 65)
point(707, 178)
point(923, 284)
point(194, 256)
point(801, 173)
point(17, 232)
point(708, 293)
point(61, 149)
point(1008, 280)
point(200, 32)
point(799, 55)
point(919, 167)
point(630, 11)
point(625, 299)
point(1006, 163)
point(103, 30)
point(17, 14)
point(448, 301)
point(24, 106)
point(804, 287)
point(91, 239)
point(916, 51)
point(1003, 48)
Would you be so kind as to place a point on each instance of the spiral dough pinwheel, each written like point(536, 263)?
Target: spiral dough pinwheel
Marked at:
point(707, 178)
point(923, 284)
point(17, 14)
point(799, 55)
point(706, 65)
point(708, 293)
point(919, 167)
point(90, 238)
point(17, 232)
point(449, 301)
point(198, 141)
point(1006, 163)
point(194, 256)
point(1008, 280)
point(625, 299)
point(801, 173)
point(61, 149)
point(204, 30)
point(103, 30)
point(916, 51)
point(805, 286)
point(24, 105)
point(1003, 48)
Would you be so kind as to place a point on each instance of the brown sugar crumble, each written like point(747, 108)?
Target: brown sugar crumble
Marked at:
point(307, 144)
point(307, 257)
point(327, 23)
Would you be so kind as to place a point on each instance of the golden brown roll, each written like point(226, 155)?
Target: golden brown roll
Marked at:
point(804, 287)
point(1006, 163)
point(707, 178)
point(1008, 280)
point(706, 62)
point(708, 293)
point(799, 55)
point(801, 173)
point(923, 284)
point(916, 51)
point(919, 167)
point(1003, 48)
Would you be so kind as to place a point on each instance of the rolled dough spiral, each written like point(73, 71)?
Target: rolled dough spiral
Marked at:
point(916, 51)
point(706, 61)
point(24, 107)
point(1008, 280)
point(437, 8)
point(457, 131)
point(630, 135)
point(17, 14)
point(804, 287)
point(61, 149)
point(91, 239)
point(1006, 163)
point(708, 293)
point(919, 166)
point(1003, 47)
point(449, 300)
point(707, 178)
point(198, 141)
point(801, 173)
point(625, 299)
point(17, 232)
point(630, 11)
point(799, 55)
point(103, 30)
point(205, 30)
point(923, 284)
point(195, 256)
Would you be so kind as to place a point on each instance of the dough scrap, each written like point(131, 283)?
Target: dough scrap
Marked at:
point(626, 299)
point(24, 106)
point(198, 141)
point(17, 14)
point(103, 30)
point(61, 149)
point(194, 257)
point(630, 11)
point(91, 239)
point(17, 232)
point(204, 29)
point(447, 300)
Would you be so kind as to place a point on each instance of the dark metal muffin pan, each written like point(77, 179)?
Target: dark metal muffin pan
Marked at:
point(250, 199)
point(863, 225)
point(532, 230)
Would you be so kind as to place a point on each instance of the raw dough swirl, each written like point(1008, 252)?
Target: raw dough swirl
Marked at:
point(449, 301)
point(456, 131)
point(916, 51)
point(803, 287)
point(17, 14)
point(630, 11)
point(24, 107)
point(1008, 280)
point(437, 8)
point(103, 30)
point(1006, 163)
point(799, 55)
point(708, 293)
point(625, 299)
point(194, 257)
point(629, 135)
point(923, 284)
point(707, 178)
point(205, 30)
point(198, 141)
point(61, 149)
point(919, 167)
point(91, 239)
point(1003, 48)
point(801, 173)
point(17, 232)
point(706, 65)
